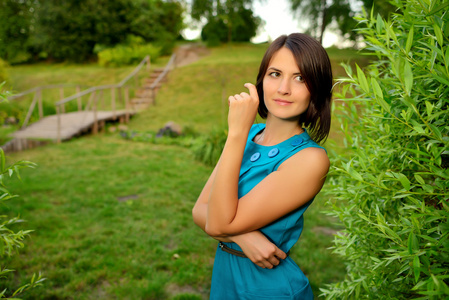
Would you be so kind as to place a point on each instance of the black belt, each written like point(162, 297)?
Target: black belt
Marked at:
point(235, 252)
point(231, 251)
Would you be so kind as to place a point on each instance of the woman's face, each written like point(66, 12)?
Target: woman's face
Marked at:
point(285, 92)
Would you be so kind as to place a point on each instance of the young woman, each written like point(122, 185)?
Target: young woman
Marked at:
point(268, 174)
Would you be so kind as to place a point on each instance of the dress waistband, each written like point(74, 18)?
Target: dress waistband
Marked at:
point(235, 252)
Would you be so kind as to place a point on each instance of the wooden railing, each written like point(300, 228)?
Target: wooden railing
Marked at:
point(120, 91)
point(96, 94)
point(37, 98)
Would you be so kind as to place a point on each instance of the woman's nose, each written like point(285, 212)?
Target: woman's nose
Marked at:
point(284, 87)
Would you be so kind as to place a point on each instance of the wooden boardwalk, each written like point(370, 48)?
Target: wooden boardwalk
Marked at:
point(72, 124)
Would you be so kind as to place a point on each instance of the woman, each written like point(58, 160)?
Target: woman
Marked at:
point(268, 174)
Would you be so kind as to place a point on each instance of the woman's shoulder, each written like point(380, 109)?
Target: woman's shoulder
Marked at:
point(308, 158)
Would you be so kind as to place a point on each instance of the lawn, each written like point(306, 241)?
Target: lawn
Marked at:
point(112, 217)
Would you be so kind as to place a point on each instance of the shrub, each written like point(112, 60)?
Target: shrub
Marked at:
point(11, 241)
point(3, 73)
point(391, 193)
point(207, 148)
point(127, 55)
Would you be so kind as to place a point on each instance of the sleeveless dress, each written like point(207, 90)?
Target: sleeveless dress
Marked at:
point(235, 277)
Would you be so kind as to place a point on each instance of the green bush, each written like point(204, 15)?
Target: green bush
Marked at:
point(207, 148)
point(3, 73)
point(391, 192)
point(127, 55)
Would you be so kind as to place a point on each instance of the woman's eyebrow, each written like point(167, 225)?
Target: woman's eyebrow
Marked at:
point(277, 70)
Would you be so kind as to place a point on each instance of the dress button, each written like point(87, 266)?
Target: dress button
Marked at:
point(297, 142)
point(273, 152)
point(255, 157)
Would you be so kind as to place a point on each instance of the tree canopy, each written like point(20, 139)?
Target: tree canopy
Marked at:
point(70, 29)
point(338, 13)
point(227, 20)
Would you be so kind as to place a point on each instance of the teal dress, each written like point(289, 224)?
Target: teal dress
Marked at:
point(237, 277)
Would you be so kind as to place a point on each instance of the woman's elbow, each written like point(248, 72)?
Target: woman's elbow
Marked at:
point(214, 231)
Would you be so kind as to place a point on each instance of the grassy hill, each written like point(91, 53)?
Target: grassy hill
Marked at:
point(112, 217)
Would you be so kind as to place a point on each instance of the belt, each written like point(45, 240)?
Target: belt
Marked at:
point(231, 251)
point(235, 252)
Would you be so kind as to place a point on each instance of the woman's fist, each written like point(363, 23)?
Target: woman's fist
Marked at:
point(243, 109)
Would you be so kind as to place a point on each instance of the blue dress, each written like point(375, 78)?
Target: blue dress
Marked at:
point(237, 277)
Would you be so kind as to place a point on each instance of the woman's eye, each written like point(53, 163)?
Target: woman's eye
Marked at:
point(299, 78)
point(274, 74)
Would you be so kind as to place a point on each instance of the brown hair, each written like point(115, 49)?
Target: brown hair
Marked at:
point(315, 67)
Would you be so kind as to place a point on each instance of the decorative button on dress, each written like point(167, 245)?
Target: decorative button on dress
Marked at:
point(237, 277)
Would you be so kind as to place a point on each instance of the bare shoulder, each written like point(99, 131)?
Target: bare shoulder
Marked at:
point(312, 159)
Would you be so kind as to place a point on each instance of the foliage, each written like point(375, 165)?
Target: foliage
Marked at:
point(207, 148)
point(17, 25)
point(3, 73)
point(227, 20)
point(337, 13)
point(127, 55)
point(10, 240)
point(392, 191)
point(70, 30)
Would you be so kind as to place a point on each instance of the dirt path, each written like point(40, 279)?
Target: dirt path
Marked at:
point(187, 54)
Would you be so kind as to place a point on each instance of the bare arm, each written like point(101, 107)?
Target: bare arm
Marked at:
point(254, 244)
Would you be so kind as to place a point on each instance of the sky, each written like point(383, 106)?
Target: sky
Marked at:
point(278, 20)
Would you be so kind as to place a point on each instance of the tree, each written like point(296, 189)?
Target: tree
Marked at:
point(390, 187)
point(17, 25)
point(70, 29)
point(234, 17)
point(321, 14)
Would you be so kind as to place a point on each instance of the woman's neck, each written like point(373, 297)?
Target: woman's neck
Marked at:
point(277, 131)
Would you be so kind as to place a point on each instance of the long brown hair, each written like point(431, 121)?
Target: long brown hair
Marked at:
point(315, 67)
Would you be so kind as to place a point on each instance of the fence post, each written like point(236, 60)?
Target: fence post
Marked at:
point(101, 98)
point(95, 126)
point(113, 103)
point(58, 134)
point(30, 110)
point(39, 103)
point(126, 104)
point(148, 63)
point(78, 90)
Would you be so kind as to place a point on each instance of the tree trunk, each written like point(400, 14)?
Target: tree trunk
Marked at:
point(323, 20)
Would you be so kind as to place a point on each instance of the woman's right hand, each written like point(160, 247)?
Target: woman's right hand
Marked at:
point(259, 249)
point(243, 110)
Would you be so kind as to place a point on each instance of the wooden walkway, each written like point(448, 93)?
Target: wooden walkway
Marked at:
point(71, 124)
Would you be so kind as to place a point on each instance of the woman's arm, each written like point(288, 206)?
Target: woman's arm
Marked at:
point(295, 182)
point(254, 244)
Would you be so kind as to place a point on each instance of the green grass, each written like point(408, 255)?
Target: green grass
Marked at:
point(92, 243)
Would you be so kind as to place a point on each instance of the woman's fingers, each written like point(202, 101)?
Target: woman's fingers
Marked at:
point(252, 91)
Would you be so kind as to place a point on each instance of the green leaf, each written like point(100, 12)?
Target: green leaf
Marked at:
point(419, 129)
point(436, 131)
point(416, 266)
point(438, 34)
point(409, 42)
point(446, 57)
point(435, 10)
point(379, 24)
point(412, 243)
point(408, 77)
point(354, 174)
point(429, 107)
point(376, 87)
point(2, 161)
point(419, 179)
point(362, 80)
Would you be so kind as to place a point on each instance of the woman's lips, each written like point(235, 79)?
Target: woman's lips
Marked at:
point(282, 102)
